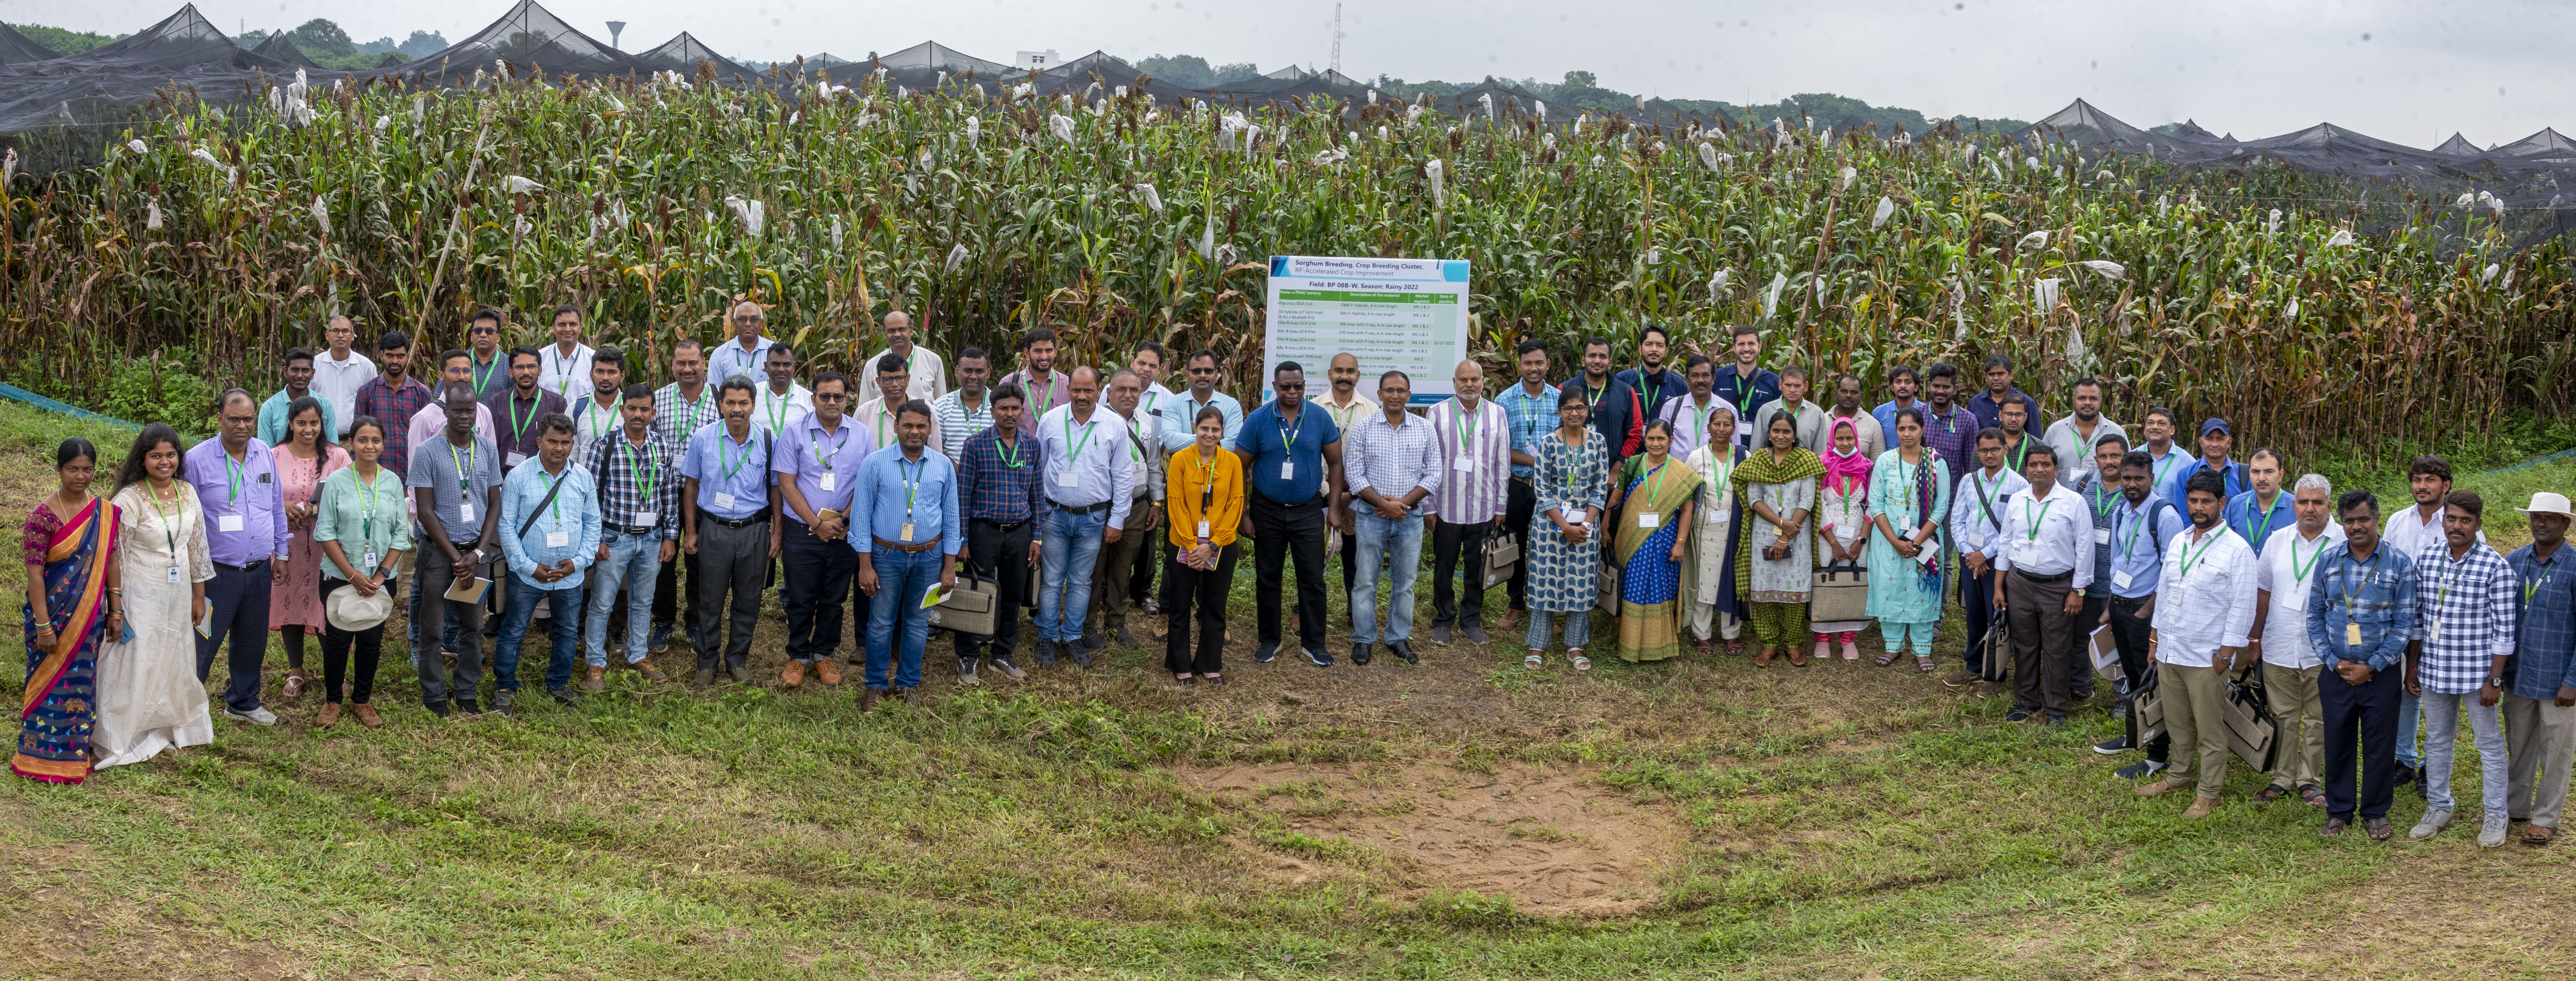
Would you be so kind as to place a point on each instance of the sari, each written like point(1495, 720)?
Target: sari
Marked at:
point(1650, 582)
point(59, 707)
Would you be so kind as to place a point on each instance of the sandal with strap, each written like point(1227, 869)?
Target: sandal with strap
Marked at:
point(1576, 658)
point(1924, 663)
point(2311, 796)
point(1886, 659)
point(2272, 793)
point(1534, 661)
point(1762, 658)
point(2539, 835)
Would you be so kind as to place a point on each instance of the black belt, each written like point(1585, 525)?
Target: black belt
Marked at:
point(1311, 502)
point(2060, 577)
point(1002, 525)
point(244, 568)
point(1079, 511)
point(757, 519)
point(631, 531)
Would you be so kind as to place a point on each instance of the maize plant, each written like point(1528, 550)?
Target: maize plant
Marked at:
point(2367, 315)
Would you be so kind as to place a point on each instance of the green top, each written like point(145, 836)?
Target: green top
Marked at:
point(362, 521)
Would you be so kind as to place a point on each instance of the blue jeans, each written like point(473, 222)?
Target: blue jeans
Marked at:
point(2410, 711)
point(1399, 544)
point(1064, 595)
point(903, 578)
point(634, 563)
point(565, 626)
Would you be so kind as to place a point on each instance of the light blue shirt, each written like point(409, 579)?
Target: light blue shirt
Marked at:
point(1970, 527)
point(2134, 551)
point(2255, 525)
point(808, 453)
point(1180, 419)
point(272, 418)
point(724, 467)
point(1886, 416)
point(1092, 456)
point(727, 360)
point(921, 493)
point(571, 519)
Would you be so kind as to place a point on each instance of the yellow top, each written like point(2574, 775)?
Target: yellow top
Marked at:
point(1186, 476)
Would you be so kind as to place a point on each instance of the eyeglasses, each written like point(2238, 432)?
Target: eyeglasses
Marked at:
point(1202, 371)
point(829, 396)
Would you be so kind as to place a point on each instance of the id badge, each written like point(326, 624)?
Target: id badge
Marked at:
point(2352, 634)
point(724, 500)
point(1464, 464)
point(515, 459)
point(1203, 529)
point(367, 560)
point(2120, 580)
point(2101, 536)
point(558, 539)
point(1068, 478)
point(827, 482)
point(465, 510)
point(907, 534)
point(647, 519)
point(2433, 632)
point(228, 522)
point(1287, 469)
point(174, 573)
point(1649, 519)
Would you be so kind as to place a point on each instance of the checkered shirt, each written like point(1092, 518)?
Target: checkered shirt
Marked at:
point(2467, 611)
point(612, 469)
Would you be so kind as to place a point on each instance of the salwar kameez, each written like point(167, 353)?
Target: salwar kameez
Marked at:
point(1565, 576)
point(1905, 595)
point(1778, 589)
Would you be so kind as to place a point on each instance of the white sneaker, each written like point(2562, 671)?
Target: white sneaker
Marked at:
point(2432, 824)
point(2493, 834)
point(258, 716)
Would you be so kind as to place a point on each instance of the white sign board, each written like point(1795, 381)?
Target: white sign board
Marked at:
point(1407, 315)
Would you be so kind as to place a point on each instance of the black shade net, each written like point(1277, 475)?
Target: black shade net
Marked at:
point(276, 45)
point(19, 49)
point(684, 54)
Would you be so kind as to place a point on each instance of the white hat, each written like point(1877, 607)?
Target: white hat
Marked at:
point(2545, 502)
point(351, 612)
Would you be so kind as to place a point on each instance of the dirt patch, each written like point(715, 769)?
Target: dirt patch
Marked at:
point(73, 927)
point(1556, 840)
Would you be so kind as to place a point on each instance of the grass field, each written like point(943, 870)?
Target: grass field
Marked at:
point(1460, 819)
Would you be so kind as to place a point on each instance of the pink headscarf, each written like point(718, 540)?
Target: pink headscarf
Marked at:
point(1846, 472)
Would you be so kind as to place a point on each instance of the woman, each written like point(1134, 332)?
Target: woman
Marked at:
point(1909, 492)
point(1776, 570)
point(361, 530)
point(1843, 500)
point(149, 695)
point(1206, 499)
point(1657, 492)
point(1565, 554)
point(1708, 578)
point(295, 603)
point(71, 609)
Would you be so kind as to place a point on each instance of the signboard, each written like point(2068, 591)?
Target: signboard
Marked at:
point(1407, 315)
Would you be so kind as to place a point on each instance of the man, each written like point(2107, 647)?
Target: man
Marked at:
point(393, 399)
point(2044, 563)
point(429, 419)
point(516, 409)
point(550, 534)
point(2262, 510)
point(1988, 405)
point(1948, 429)
point(909, 548)
point(783, 402)
point(637, 473)
point(1147, 363)
point(924, 371)
point(1037, 377)
point(2159, 425)
point(562, 363)
point(2013, 419)
point(2140, 526)
point(1976, 516)
point(725, 510)
point(2410, 531)
point(2291, 668)
point(1398, 466)
point(1750, 389)
point(457, 488)
point(1652, 385)
point(1178, 414)
point(1346, 407)
point(2361, 608)
point(235, 475)
point(1872, 438)
point(998, 488)
point(2465, 595)
point(817, 463)
point(340, 372)
point(2075, 436)
point(1474, 447)
point(1809, 416)
point(960, 414)
point(680, 409)
point(596, 415)
point(490, 369)
point(877, 418)
point(2204, 611)
point(1288, 453)
point(1090, 485)
point(2540, 703)
point(1686, 414)
point(1902, 384)
point(1114, 570)
point(2101, 500)
point(2215, 440)
point(1614, 412)
point(746, 353)
point(299, 383)
point(1531, 406)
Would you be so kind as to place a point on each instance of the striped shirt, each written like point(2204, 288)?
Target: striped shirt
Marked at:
point(955, 421)
point(1475, 460)
point(1533, 417)
point(996, 486)
point(636, 482)
point(2207, 598)
point(2466, 612)
point(1393, 461)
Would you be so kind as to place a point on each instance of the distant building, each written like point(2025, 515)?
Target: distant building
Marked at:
point(1036, 61)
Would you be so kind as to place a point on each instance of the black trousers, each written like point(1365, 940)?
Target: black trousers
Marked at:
point(1976, 596)
point(817, 593)
point(1518, 508)
point(1001, 556)
point(335, 650)
point(734, 559)
point(1449, 539)
point(1278, 531)
point(1140, 582)
point(2130, 631)
point(2079, 646)
point(2368, 712)
point(667, 596)
point(237, 609)
point(1185, 587)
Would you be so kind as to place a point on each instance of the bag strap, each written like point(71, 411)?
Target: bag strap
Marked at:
point(541, 505)
point(1986, 503)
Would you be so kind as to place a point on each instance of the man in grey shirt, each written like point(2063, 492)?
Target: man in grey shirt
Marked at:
point(2075, 436)
point(456, 487)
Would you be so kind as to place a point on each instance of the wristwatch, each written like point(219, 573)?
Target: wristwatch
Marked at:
point(2496, 682)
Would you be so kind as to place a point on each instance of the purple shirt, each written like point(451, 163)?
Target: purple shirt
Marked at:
point(1954, 436)
point(244, 501)
point(807, 453)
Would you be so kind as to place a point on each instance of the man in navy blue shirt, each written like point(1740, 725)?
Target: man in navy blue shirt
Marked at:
point(1290, 454)
point(1748, 388)
point(1988, 405)
point(1614, 404)
point(1653, 384)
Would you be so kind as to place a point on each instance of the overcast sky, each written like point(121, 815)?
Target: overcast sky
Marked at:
point(2411, 72)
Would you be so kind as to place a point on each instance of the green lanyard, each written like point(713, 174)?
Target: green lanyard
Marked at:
point(1655, 478)
point(1010, 454)
point(2351, 590)
point(518, 426)
point(1288, 436)
point(826, 458)
point(647, 471)
point(169, 525)
point(2165, 466)
point(778, 411)
point(2129, 542)
point(1467, 427)
point(2107, 501)
point(2191, 558)
point(2032, 524)
point(736, 466)
point(689, 423)
point(2021, 452)
point(464, 468)
point(367, 512)
point(2298, 570)
point(2263, 530)
point(1135, 446)
point(555, 502)
point(235, 474)
point(2442, 597)
point(1743, 399)
point(1073, 450)
point(912, 485)
point(483, 375)
point(590, 413)
point(1699, 419)
point(885, 417)
point(2529, 589)
point(1037, 389)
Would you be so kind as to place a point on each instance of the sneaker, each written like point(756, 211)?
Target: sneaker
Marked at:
point(1318, 658)
point(1963, 679)
point(256, 716)
point(1046, 654)
point(564, 697)
point(1122, 638)
point(2432, 824)
point(1264, 654)
point(2492, 834)
point(1475, 633)
point(1360, 653)
point(1439, 633)
point(2020, 714)
point(501, 701)
point(2113, 747)
point(661, 638)
point(2139, 770)
point(1081, 658)
point(1008, 669)
point(966, 671)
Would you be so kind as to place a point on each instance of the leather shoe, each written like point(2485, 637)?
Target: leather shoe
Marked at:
point(1963, 679)
point(2162, 787)
point(1439, 633)
point(912, 694)
point(1360, 653)
point(596, 679)
point(741, 673)
point(706, 677)
point(1266, 652)
point(651, 673)
point(828, 671)
point(367, 716)
point(330, 714)
point(1474, 633)
point(2200, 807)
point(1404, 649)
point(868, 698)
point(793, 675)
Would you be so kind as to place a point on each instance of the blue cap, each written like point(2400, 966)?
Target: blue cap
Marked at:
point(2214, 424)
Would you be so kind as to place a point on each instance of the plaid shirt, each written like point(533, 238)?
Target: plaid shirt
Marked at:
point(392, 405)
point(612, 469)
point(2469, 607)
point(2544, 656)
point(674, 420)
point(1533, 417)
point(993, 487)
point(2376, 594)
point(1954, 436)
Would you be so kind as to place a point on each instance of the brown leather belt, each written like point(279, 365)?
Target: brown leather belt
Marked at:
point(915, 547)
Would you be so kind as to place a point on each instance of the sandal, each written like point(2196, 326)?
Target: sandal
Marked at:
point(2539, 834)
point(295, 682)
point(1886, 659)
point(1185, 678)
point(1706, 650)
point(1214, 679)
point(2272, 793)
point(1576, 658)
point(1534, 661)
point(1763, 659)
point(1924, 663)
point(1797, 657)
point(2311, 796)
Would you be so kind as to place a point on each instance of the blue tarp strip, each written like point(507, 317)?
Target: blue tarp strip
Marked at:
point(22, 395)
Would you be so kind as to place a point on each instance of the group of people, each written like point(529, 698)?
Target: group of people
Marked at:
point(1683, 501)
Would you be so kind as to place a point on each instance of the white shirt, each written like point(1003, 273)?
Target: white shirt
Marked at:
point(927, 377)
point(779, 413)
point(2406, 531)
point(2047, 531)
point(337, 382)
point(1969, 529)
point(879, 418)
point(591, 420)
point(565, 375)
point(2210, 606)
point(1089, 455)
point(1147, 428)
point(2285, 568)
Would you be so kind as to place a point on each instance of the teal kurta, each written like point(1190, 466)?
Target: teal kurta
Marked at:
point(1898, 590)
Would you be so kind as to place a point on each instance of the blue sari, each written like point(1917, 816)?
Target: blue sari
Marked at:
point(1650, 581)
point(60, 705)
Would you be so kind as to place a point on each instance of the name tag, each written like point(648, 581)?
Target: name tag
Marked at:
point(647, 519)
point(2434, 632)
point(1464, 464)
point(1203, 529)
point(228, 522)
point(2352, 634)
point(465, 511)
point(2120, 580)
point(1287, 469)
point(1649, 519)
point(907, 533)
point(1068, 478)
point(174, 573)
point(827, 481)
point(1904, 531)
point(514, 459)
point(724, 500)
point(2101, 536)
point(559, 539)
point(367, 563)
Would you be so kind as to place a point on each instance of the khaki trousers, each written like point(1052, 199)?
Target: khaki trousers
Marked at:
point(2540, 739)
point(2195, 702)
point(2291, 693)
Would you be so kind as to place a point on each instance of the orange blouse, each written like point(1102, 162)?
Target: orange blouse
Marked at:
point(1185, 476)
